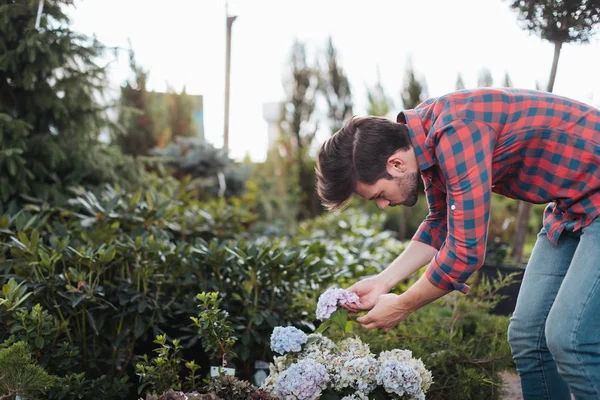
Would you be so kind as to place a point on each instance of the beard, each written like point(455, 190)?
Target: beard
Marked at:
point(409, 185)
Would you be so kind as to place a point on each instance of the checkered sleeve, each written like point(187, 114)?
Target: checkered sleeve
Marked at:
point(433, 229)
point(464, 150)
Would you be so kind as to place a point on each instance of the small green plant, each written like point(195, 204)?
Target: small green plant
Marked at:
point(20, 376)
point(161, 373)
point(214, 327)
point(13, 295)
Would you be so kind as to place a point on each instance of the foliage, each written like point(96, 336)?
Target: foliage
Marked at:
point(140, 114)
point(19, 375)
point(211, 169)
point(213, 327)
point(485, 78)
point(50, 120)
point(559, 21)
point(335, 87)
point(298, 126)
point(414, 91)
point(379, 103)
point(160, 374)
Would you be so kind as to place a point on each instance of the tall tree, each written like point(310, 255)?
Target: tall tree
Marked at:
point(50, 119)
point(298, 124)
point(414, 91)
point(559, 22)
point(485, 78)
point(460, 84)
point(379, 103)
point(136, 133)
point(335, 87)
point(180, 112)
point(507, 81)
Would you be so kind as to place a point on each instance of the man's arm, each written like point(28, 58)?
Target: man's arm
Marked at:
point(425, 243)
point(465, 151)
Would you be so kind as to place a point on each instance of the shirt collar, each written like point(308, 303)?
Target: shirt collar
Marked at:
point(418, 138)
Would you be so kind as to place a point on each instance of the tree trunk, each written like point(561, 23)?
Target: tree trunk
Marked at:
point(524, 207)
point(557, 47)
point(402, 225)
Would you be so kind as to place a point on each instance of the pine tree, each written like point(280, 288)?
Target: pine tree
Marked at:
point(507, 80)
point(380, 104)
point(19, 375)
point(335, 87)
point(414, 91)
point(460, 84)
point(50, 120)
point(485, 78)
point(138, 128)
point(298, 126)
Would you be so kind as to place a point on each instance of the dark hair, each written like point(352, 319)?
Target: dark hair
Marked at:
point(357, 153)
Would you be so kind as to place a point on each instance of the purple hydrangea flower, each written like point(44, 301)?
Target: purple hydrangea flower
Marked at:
point(331, 299)
point(287, 339)
point(304, 380)
point(399, 378)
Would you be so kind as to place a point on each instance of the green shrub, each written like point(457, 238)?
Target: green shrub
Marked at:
point(19, 375)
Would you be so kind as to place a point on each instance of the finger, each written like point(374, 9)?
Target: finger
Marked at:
point(372, 325)
point(365, 319)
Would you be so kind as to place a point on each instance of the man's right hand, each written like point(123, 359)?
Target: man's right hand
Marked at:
point(368, 291)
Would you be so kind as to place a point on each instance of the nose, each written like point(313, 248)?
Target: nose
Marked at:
point(382, 203)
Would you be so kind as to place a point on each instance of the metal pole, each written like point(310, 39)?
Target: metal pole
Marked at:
point(227, 79)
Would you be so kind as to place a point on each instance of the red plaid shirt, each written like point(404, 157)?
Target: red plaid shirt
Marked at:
point(523, 144)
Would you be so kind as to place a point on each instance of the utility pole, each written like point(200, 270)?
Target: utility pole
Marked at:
point(230, 20)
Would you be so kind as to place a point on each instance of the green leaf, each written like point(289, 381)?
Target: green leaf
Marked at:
point(324, 326)
point(340, 317)
point(92, 322)
point(39, 342)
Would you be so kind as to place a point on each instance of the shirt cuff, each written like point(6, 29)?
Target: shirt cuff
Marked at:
point(431, 235)
point(443, 280)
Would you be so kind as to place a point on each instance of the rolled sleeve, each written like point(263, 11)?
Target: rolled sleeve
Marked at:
point(433, 229)
point(464, 150)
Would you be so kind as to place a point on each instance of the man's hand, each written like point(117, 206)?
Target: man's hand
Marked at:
point(390, 310)
point(368, 291)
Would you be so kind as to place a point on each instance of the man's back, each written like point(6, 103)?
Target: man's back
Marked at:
point(546, 148)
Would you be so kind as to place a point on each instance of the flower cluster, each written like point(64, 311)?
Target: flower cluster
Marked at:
point(348, 369)
point(287, 339)
point(331, 299)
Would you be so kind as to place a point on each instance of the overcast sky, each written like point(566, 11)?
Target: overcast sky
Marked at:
point(183, 43)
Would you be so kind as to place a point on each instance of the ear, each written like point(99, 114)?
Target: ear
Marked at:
point(396, 163)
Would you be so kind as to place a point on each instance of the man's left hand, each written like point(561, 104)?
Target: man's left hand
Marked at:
point(390, 310)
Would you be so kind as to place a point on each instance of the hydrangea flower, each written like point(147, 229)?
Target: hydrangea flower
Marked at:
point(287, 339)
point(360, 373)
point(399, 378)
point(331, 299)
point(354, 347)
point(318, 348)
point(399, 355)
point(424, 373)
point(304, 380)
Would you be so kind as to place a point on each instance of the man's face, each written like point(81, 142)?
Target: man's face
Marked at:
point(401, 185)
point(395, 191)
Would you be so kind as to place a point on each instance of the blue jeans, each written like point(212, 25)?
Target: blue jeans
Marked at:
point(554, 333)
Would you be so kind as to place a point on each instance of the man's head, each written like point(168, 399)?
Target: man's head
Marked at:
point(372, 157)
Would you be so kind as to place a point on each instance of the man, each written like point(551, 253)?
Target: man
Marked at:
point(524, 144)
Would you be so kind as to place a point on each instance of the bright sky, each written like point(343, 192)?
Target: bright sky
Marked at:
point(183, 43)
